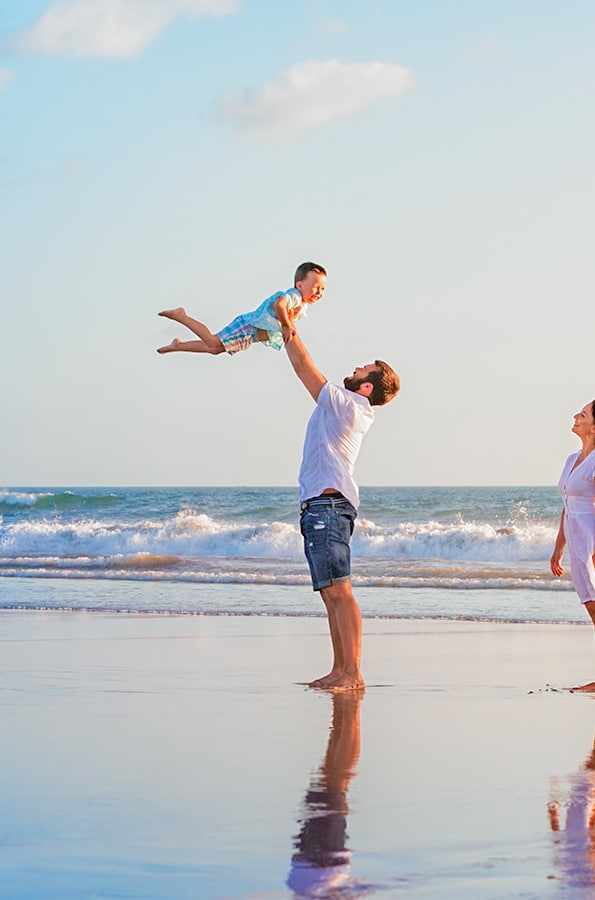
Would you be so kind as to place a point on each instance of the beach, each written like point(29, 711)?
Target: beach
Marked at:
point(176, 756)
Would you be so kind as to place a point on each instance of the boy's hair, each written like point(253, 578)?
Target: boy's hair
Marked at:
point(303, 269)
point(386, 383)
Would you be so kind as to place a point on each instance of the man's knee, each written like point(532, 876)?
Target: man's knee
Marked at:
point(336, 592)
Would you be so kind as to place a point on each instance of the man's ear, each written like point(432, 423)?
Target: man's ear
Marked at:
point(365, 389)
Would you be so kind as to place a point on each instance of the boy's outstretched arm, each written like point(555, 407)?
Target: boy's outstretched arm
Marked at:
point(287, 329)
point(304, 368)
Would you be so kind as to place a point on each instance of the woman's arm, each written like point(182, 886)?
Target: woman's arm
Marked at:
point(556, 560)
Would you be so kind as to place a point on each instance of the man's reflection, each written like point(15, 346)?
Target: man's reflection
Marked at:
point(572, 819)
point(321, 861)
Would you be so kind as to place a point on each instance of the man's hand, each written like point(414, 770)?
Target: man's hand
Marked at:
point(288, 332)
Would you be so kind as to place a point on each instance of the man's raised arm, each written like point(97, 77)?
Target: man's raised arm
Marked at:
point(304, 368)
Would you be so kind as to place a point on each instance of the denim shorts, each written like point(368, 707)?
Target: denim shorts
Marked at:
point(327, 524)
point(238, 335)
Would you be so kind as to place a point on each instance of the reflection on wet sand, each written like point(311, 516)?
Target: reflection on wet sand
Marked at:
point(321, 862)
point(571, 812)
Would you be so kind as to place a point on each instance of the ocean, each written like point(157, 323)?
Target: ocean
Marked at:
point(447, 552)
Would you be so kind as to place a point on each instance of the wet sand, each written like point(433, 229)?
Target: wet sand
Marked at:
point(176, 757)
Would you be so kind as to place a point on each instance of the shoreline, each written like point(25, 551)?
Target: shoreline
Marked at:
point(283, 601)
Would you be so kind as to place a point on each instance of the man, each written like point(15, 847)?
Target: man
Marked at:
point(321, 862)
point(330, 497)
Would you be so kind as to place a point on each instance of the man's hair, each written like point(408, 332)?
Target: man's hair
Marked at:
point(303, 269)
point(386, 383)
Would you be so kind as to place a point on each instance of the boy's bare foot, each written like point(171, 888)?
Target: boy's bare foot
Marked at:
point(587, 688)
point(175, 314)
point(169, 347)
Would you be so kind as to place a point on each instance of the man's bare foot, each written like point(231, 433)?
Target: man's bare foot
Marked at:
point(339, 681)
point(175, 314)
point(347, 683)
point(325, 681)
point(587, 688)
point(169, 348)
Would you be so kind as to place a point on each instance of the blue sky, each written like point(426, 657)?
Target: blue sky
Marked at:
point(436, 157)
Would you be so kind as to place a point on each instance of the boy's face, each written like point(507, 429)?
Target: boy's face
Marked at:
point(312, 287)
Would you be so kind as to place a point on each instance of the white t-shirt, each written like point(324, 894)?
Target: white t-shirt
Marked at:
point(333, 438)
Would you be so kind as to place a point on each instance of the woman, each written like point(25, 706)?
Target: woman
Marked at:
point(577, 523)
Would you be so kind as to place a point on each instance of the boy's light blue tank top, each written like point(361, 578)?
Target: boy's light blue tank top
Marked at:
point(264, 316)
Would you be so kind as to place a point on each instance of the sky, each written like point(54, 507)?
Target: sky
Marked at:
point(436, 157)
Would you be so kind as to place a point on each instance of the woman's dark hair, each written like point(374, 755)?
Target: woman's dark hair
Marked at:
point(593, 409)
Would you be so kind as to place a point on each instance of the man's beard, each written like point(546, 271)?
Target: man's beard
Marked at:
point(354, 384)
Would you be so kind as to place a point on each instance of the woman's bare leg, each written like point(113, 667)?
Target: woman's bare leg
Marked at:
point(590, 687)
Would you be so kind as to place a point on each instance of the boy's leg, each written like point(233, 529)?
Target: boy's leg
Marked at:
point(190, 347)
point(198, 328)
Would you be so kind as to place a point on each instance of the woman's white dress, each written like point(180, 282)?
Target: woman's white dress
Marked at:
point(578, 492)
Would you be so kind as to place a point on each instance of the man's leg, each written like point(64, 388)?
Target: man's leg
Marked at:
point(338, 663)
point(345, 625)
point(326, 526)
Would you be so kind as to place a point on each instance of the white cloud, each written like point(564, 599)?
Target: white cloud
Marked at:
point(112, 28)
point(311, 94)
point(5, 76)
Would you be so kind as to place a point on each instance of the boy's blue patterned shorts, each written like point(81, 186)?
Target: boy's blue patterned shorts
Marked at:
point(326, 524)
point(238, 335)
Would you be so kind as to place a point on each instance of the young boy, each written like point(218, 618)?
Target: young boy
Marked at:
point(272, 322)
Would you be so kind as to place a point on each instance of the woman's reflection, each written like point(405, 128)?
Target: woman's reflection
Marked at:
point(572, 819)
point(321, 861)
